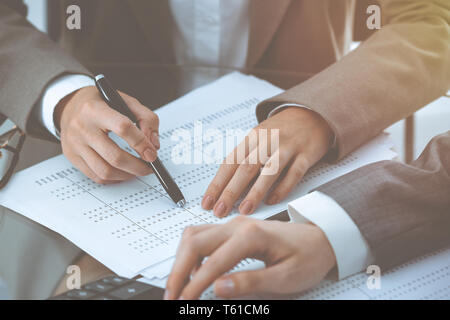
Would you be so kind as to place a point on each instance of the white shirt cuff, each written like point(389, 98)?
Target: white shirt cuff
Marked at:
point(286, 105)
point(350, 248)
point(55, 92)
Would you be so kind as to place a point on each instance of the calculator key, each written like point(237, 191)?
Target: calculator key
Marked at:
point(103, 298)
point(154, 294)
point(115, 280)
point(61, 297)
point(98, 287)
point(131, 290)
point(80, 294)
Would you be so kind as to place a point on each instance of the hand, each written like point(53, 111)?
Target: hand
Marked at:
point(85, 120)
point(297, 257)
point(304, 138)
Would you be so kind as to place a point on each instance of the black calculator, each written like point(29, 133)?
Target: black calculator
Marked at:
point(113, 288)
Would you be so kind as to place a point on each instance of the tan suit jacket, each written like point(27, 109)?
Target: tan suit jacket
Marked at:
point(396, 71)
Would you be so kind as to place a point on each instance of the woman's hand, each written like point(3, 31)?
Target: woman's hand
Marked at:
point(85, 121)
point(297, 257)
point(304, 138)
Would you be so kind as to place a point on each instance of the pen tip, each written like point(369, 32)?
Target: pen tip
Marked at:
point(181, 203)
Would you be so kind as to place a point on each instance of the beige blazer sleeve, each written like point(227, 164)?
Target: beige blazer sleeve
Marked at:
point(29, 60)
point(399, 69)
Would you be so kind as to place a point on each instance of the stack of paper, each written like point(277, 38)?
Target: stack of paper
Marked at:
point(133, 227)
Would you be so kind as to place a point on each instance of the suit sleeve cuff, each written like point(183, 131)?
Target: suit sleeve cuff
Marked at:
point(350, 248)
point(55, 92)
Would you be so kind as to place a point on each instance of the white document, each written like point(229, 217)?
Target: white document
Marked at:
point(134, 225)
point(427, 277)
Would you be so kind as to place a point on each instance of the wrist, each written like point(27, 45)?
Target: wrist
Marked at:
point(61, 106)
point(322, 126)
point(55, 91)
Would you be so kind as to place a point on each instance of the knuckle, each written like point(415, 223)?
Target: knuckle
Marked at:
point(229, 159)
point(144, 171)
point(105, 173)
point(229, 194)
point(304, 163)
point(116, 159)
point(298, 172)
point(147, 170)
point(248, 282)
point(190, 244)
point(75, 125)
point(188, 233)
point(248, 168)
point(87, 106)
point(250, 227)
point(214, 188)
point(256, 193)
point(238, 155)
point(123, 126)
point(300, 168)
point(140, 142)
point(239, 220)
point(213, 263)
point(284, 154)
point(153, 117)
point(286, 279)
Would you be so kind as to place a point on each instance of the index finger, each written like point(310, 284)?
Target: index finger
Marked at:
point(147, 119)
point(114, 121)
point(193, 247)
point(228, 169)
point(228, 255)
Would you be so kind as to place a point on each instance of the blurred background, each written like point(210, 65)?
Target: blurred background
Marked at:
point(428, 122)
point(37, 13)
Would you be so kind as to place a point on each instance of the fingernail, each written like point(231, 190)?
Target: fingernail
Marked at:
point(166, 295)
point(208, 202)
point(246, 207)
point(225, 287)
point(272, 199)
point(181, 298)
point(220, 209)
point(155, 139)
point(150, 155)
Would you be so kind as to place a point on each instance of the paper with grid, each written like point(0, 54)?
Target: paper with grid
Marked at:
point(134, 225)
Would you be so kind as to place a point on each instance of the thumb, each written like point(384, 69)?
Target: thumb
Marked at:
point(247, 282)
